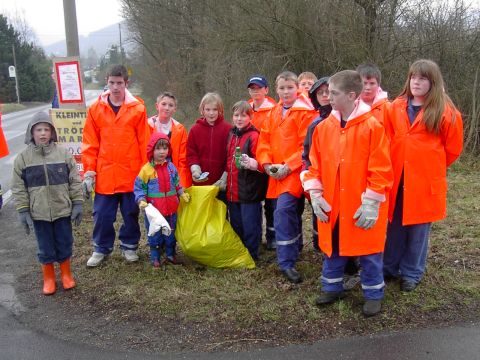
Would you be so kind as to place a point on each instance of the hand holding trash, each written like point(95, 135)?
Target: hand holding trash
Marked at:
point(142, 204)
point(248, 163)
point(157, 221)
point(185, 197)
point(222, 182)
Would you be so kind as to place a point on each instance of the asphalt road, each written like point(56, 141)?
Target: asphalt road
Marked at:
point(14, 126)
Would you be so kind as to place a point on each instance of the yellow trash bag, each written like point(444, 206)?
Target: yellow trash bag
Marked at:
point(205, 235)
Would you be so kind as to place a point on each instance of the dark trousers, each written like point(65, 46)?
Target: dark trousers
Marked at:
point(54, 239)
point(158, 241)
point(246, 220)
point(269, 209)
point(104, 215)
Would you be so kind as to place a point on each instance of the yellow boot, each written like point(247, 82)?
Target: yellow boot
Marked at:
point(48, 279)
point(66, 275)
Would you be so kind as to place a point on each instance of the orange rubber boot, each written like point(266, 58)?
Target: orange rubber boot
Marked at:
point(66, 275)
point(48, 279)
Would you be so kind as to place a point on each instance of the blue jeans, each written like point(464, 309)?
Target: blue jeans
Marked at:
point(269, 208)
point(246, 220)
point(104, 215)
point(371, 275)
point(157, 241)
point(54, 239)
point(288, 227)
point(406, 248)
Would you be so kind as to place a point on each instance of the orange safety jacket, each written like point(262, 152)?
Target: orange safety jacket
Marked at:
point(281, 142)
point(347, 162)
point(380, 106)
point(178, 145)
point(423, 158)
point(3, 142)
point(115, 146)
point(261, 114)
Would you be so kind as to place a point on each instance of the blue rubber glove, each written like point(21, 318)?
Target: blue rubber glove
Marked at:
point(77, 214)
point(26, 220)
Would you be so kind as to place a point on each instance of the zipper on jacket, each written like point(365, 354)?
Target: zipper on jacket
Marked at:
point(47, 181)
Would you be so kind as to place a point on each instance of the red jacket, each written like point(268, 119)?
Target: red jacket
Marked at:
point(3, 142)
point(178, 142)
point(244, 185)
point(262, 113)
point(347, 162)
point(114, 146)
point(207, 147)
point(423, 158)
point(281, 142)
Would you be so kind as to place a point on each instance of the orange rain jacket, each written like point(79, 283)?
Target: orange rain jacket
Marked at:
point(380, 106)
point(3, 142)
point(281, 142)
point(346, 163)
point(178, 145)
point(423, 157)
point(262, 113)
point(115, 146)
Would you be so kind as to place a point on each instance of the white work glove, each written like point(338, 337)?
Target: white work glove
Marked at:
point(320, 206)
point(166, 231)
point(222, 182)
point(88, 184)
point(367, 213)
point(282, 172)
point(248, 163)
point(272, 169)
point(196, 171)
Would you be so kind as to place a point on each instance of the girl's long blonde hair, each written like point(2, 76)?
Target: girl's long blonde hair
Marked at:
point(436, 100)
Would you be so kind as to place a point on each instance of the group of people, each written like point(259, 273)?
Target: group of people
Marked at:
point(374, 172)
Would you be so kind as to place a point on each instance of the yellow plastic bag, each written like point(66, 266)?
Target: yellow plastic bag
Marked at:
point(205, 235)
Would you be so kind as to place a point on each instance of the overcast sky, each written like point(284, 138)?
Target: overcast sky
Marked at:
point(45, 17)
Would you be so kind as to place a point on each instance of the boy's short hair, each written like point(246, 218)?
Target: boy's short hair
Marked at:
point(287, 75)
point(118, 70)
point(258, 80)
point(167, 94)
point(243, 107)
point(307, 75)
point(369, 70)
point(212, 97)
point(348, 81)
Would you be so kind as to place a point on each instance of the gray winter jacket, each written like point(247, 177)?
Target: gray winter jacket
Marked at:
point(45, 177)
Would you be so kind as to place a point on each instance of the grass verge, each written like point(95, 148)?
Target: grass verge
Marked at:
point(211, 309)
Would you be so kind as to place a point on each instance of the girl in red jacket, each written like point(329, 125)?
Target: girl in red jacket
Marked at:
point(207, 143)
point(426, 134)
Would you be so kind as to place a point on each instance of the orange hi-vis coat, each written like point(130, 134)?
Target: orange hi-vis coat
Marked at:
point(423, 157)
point(3, 142)
point(281, 142)
point(262, 113)
point(115, 146)
point(178, 144)
point(347, 162)
point(380, 106)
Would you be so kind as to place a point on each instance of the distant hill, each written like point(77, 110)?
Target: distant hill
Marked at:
point(100, 40)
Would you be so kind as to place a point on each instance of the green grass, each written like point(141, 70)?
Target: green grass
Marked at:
point(243, 303)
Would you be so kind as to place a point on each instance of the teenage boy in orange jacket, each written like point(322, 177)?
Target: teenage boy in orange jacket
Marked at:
point(279, 151)
point(113, 151)
point(348, 182)
point(262, 105)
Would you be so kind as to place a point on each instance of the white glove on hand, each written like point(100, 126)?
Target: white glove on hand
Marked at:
point(196, 171)
point(272, 169)
point(367, 213)
point(248, 163)
point(282, 172)
point(320, 206)
point(88, 184)
point(222, 182)
point(166, 231)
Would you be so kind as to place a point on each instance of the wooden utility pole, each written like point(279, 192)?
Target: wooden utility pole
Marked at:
point(71, 30)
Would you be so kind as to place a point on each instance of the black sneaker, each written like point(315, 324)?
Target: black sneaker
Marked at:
point(408, 285)
point(292, 275)
point(371, 307)
point(328, 297)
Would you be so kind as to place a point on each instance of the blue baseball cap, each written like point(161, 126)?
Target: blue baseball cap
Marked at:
point(258, 80)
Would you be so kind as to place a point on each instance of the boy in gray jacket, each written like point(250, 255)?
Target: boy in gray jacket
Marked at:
point(48, 196)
